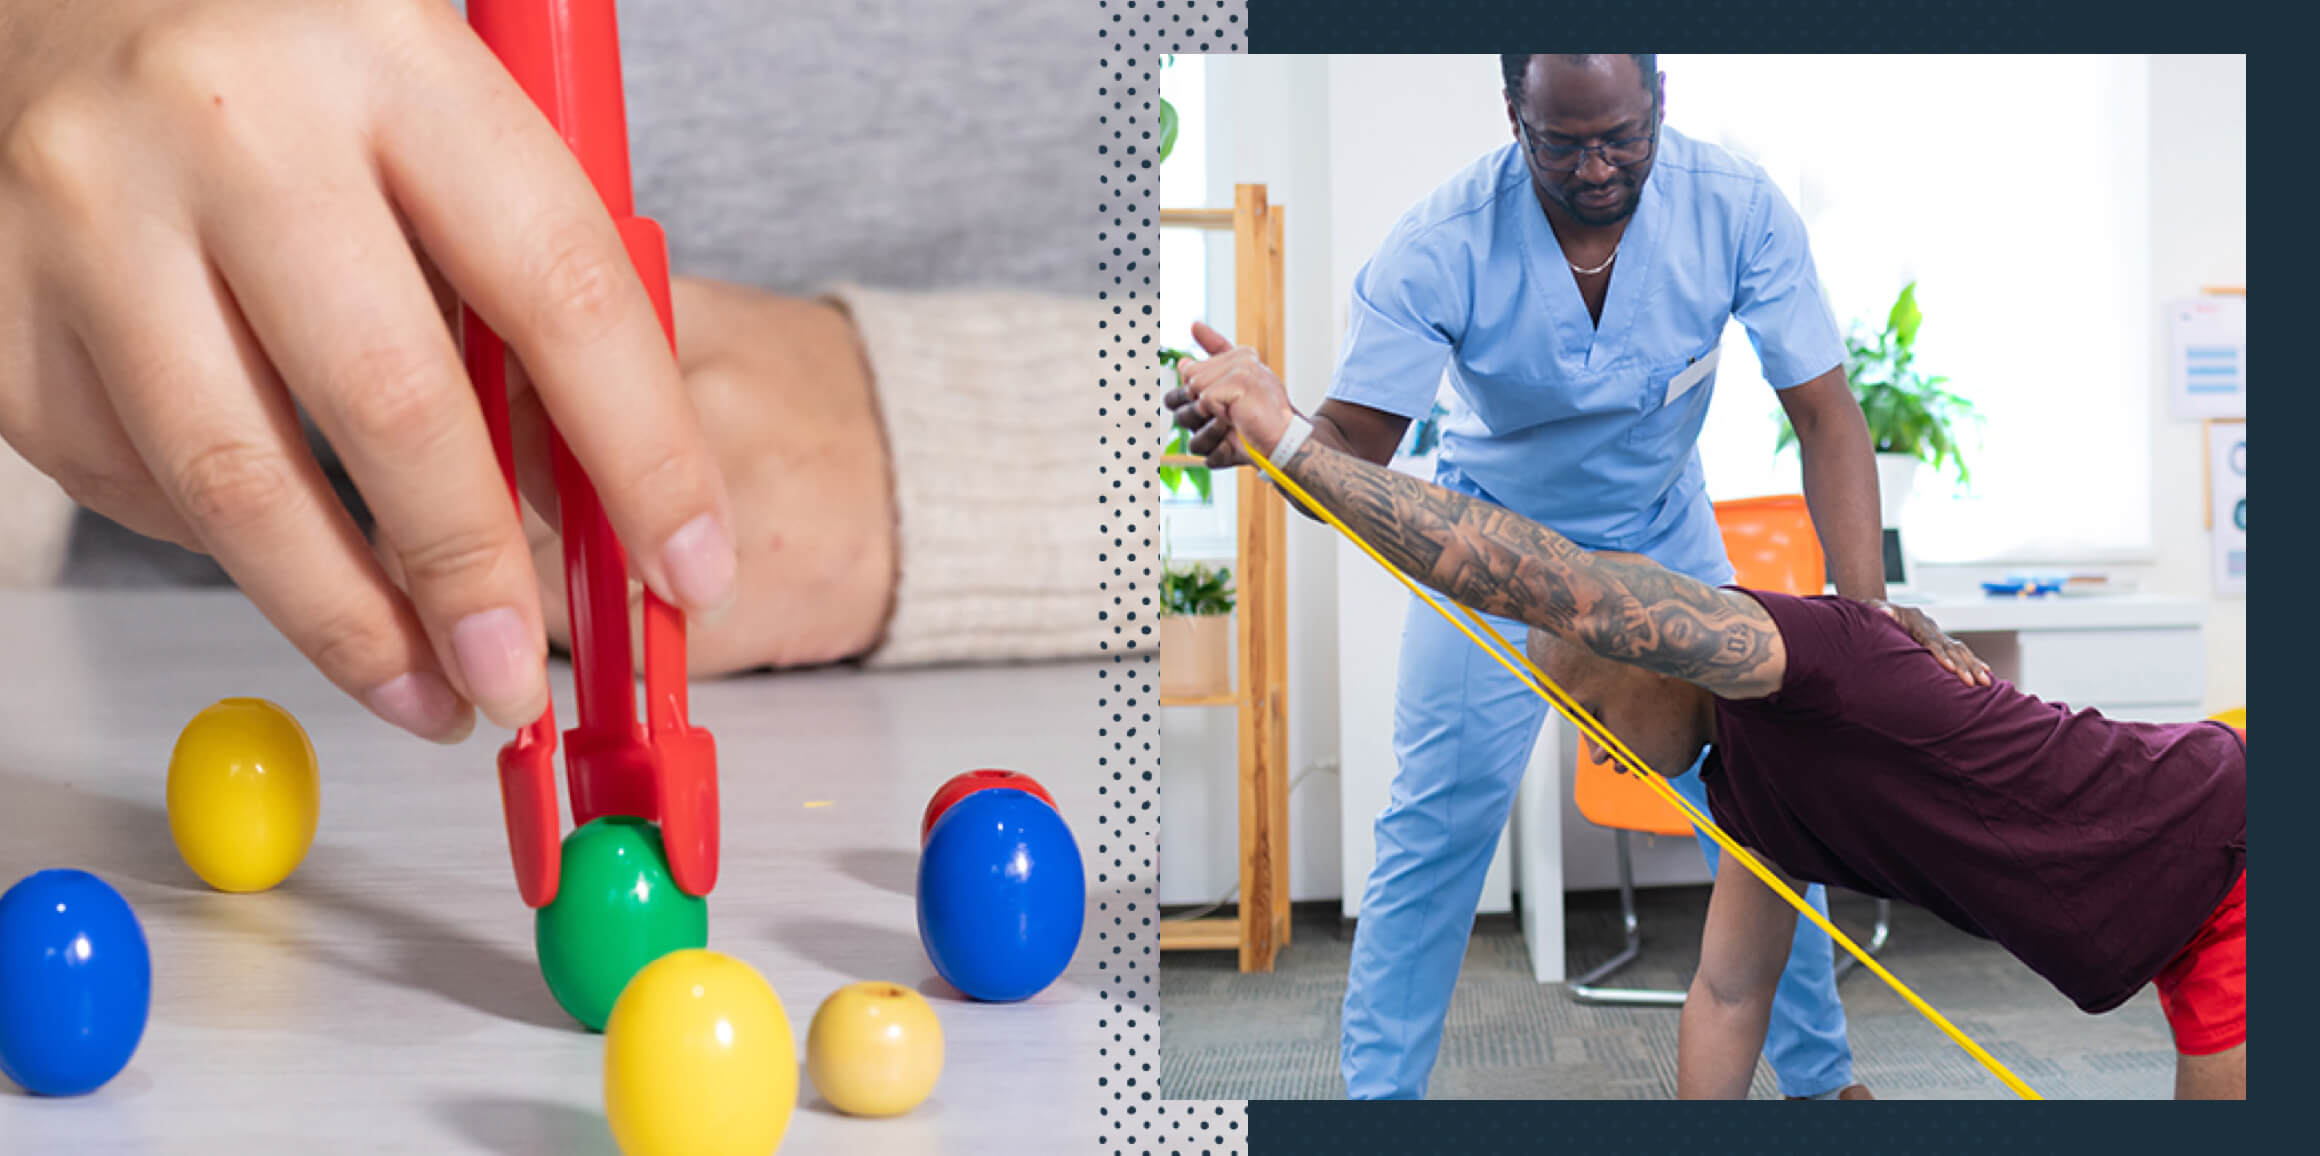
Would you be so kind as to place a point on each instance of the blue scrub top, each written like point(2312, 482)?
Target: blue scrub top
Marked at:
point(1566, 423)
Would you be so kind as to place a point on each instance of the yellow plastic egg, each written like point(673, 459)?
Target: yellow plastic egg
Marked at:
point(699, 1060)
point(244, 797)
point(875, 1049)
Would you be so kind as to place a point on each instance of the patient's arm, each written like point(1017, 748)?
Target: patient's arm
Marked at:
point(1742, 951)
point(1500, 563)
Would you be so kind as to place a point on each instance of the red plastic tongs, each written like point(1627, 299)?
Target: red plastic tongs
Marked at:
point(566, 55)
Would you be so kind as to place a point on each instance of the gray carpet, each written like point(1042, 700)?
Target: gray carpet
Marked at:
point(1225, 1035)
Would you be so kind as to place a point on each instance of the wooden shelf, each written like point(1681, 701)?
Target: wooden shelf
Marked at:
point(1260, 705)
point(1200, 934)
point(1202, 700)
point(1220, 219)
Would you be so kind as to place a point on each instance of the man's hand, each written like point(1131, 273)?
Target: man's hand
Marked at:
point(217, 213)
point(1956, 656)
point(1230, 392)
point(792, 419)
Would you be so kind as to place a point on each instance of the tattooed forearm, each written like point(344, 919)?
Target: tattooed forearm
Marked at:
point(1497, 562)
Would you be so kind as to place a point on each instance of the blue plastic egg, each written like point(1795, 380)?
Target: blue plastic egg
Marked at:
point(1001, 895)
point(76, 982)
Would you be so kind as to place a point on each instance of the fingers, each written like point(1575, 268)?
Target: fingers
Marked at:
point(535, 463)
point(1954, 656)
point(1946, 653)
point(1184, 410)
point(1211, 342)
point(372, 361)
point(1210, 435)
point(1969, 666)
point(206, 414)
point(506, 213)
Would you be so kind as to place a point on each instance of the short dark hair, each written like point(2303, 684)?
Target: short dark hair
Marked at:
point(1512, 65)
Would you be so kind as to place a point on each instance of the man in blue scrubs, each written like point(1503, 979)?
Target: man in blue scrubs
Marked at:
point(1575, 284)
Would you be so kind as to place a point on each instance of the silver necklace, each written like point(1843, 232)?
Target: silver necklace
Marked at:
point(1599, 268)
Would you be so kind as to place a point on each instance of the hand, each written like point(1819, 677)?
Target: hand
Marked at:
point(1952, 654)
point(1212, 437)
point(792, 421)
point(1230, 392)
point(215, 212)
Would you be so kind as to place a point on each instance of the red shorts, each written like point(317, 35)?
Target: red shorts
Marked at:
point(2204, 988)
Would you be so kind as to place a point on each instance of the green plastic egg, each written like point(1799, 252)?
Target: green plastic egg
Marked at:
point(616, 909)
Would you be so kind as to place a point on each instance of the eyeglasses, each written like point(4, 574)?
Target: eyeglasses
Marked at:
point(1618, 154)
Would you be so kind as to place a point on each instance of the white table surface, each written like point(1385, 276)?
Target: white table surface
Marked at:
point(387, 997)
point(1974, 612)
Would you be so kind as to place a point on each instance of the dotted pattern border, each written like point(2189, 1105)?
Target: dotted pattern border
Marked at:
point(1133, 1121)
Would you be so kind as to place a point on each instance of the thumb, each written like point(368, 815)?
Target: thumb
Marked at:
point(1211, 342)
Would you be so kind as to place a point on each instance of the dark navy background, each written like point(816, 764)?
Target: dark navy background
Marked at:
point(1757, 25)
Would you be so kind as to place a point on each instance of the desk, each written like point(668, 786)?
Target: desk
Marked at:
point(2130, 656)
point(387, 996)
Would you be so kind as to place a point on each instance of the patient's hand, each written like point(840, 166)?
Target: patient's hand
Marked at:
point(791, 415)
point(1959, 658)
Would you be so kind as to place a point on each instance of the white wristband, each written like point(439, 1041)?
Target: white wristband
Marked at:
point(1286, 448)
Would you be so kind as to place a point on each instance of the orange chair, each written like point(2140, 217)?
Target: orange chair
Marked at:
point(1772, 546)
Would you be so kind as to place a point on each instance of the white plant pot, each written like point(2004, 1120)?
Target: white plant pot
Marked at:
point(1896, 479)
point(1195, 655)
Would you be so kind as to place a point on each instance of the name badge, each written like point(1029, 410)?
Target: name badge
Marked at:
point(1693, 374)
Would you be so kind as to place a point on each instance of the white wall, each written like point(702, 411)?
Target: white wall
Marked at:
point(1401, 125)
point(2198, 238)
point(1264, 113)
point(1349, 142)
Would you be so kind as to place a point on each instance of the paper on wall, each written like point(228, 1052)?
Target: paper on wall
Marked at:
point(2227, 495)
point(2210, 357)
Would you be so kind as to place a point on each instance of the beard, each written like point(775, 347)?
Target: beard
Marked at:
point(1631, 195)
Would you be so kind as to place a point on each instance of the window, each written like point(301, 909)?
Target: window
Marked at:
point(2015, 191)
point(1191, 529)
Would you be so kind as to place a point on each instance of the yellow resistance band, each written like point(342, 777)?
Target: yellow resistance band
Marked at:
point(1538, 681)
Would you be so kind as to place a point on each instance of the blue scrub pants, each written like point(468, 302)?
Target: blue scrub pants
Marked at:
point(1463, 732)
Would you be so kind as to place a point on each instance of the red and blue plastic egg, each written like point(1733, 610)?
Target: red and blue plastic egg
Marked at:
point(1002, 894)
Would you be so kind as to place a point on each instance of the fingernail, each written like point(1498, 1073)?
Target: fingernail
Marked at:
point(699, 562)
point(421, 703)
point(500, 661)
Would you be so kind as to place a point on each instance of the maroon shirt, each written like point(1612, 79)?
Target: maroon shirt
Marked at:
point(2090, 848)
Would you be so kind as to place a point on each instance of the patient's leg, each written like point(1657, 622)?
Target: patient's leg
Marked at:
point(2222, 1076)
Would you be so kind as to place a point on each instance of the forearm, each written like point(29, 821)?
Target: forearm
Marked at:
point(1840, 489)
point(1497, 562)
point(997, 558)
point(1372, 438)
point(1717, 1044)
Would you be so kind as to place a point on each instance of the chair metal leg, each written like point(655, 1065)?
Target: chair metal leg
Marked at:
point(1877, 936)
point(1584, 989)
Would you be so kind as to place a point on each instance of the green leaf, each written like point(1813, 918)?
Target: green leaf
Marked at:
point(1170, 476)
point(1198, 590)
point(1905, 316)
point(1200, 480)
point(1167, 128)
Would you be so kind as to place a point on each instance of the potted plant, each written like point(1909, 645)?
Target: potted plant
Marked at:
point(1196, 605)
point(1913, 421)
